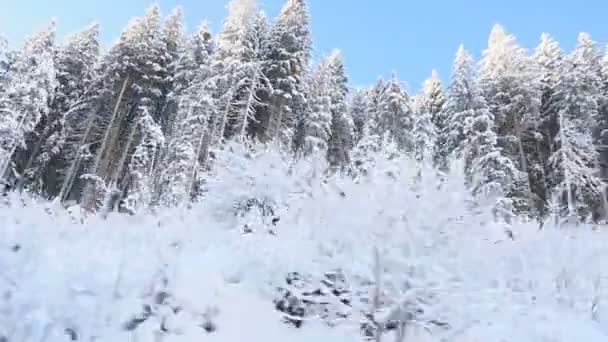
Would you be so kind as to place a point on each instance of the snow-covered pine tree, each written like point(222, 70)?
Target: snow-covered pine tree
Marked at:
point(187, 157)
point(57, 145)
point(493, 176)
point(6, 126)
point(316, 124)
point(172, 43)
point(193, 64)
point(358, 106)
point(342, 127)
point(434, 98)
point(369, 144)
point(394, 115)
point(463, 96)
point(141, 188)
point(464, 106)
point(588, 62)
point(130, 77)
point(429, 119)
point(373, 100)
point(187, 148)
point(549, 58)
point(286, 57)
point(251, 78)
point(510, 84)
point(236, 50)
point(575, 176)
point(4, 64)
point(602, 131)
point(30, 86)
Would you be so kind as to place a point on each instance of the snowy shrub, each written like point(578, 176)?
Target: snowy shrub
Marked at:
point(252, 185)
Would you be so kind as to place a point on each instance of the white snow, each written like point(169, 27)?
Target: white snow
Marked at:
point(63, 273)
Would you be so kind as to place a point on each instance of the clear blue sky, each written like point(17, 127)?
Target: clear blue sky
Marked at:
point(410, 37)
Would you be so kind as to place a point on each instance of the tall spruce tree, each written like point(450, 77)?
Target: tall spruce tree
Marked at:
point(286, 57)
point(251, 78)
point(188, 147)
point(576, 176)
point(6, 126)
point(511, 87)
point(341, 137)
point(171, 43)
point(429, 119)
point(550, 61)
point(393, 114)
point(462, 100)
point(30, 86)
point(130, 79)
point(316, 124)
point(141, 166)
point(4, 63)
point(192, 63)
point(602, 129)
point(358, 107)
point(61, 139)
point(236, 69)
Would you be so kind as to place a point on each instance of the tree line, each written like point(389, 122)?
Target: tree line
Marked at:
point(140, 124)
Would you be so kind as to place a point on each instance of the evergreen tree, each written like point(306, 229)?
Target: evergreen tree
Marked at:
point(429, 119)
point(493, 176)
point(31, 82)
point(286, 62)
point(171, 45)
point(130, 79)
point(394, 115)
point(4, 64)
point(511, 87)
point(587, 63)
point(76, 61)
point(341, 137)
point(251, 77)
point(359, 111)
point(188, 147)
point(46, 159)
point(6, 126)
point(575, 178)
point(316, 125)
point(193, 66)
point(236, 68)
point(602, 124)
point(187, 159)
point(550, 61)
point(467, 116)
point(367, 148)
point(141, 165)
point(373, 100)
point(462, 100)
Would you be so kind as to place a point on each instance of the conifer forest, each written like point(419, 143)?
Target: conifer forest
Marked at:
point(188, 185)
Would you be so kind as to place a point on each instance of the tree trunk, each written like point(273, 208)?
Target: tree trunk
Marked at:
point(30, 161)
point(106, 138)
point(523, 161)
point(68, 182)
point(90, 193)
point(567, 180)
point(7, 161)
point(249, 105)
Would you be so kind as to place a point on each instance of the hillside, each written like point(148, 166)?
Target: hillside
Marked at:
point(204, 273)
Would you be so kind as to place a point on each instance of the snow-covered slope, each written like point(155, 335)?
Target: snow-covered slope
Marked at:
point(208, 274)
